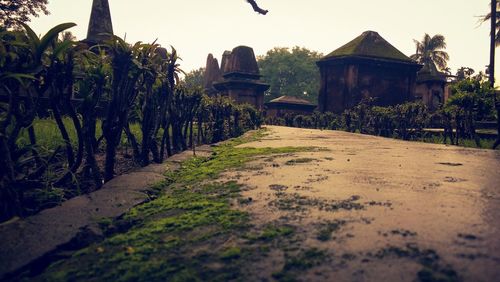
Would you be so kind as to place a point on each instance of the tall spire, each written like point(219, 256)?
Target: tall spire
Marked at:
point(100, 22)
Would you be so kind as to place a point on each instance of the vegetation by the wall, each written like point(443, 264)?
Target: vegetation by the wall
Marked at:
point(411, 121)
point(160, 240)
point(145, 109)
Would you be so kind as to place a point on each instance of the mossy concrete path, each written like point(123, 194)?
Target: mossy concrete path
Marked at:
point(378, 209)
point(75, 222)
point(288, 204)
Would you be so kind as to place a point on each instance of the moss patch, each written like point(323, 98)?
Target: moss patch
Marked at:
point(181, 234)
point(371, 45)
point(304, 260)
point(326, 229)
point(299, 161)
point(271, 232)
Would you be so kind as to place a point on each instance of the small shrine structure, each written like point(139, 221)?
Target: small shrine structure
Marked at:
point(238, 77)
point(288, 105)
point(432, 88)
point(366, 67)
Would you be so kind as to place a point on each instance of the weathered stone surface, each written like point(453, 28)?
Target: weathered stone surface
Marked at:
point(242, 59)
point(212, 74)
point(27, 240)
point(225, 58)
point(432, 87)
point(100, 24)
point(366, 67)
point(241, 79)
point(409, 209)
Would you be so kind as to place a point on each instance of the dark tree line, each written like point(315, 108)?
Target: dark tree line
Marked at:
point(13, 12)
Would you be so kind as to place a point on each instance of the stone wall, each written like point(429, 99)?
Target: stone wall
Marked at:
point(344, 85)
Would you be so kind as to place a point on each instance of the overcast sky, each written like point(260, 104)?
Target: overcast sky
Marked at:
point(198, 27)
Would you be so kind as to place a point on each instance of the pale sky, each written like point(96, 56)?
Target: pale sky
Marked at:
point(198, 27)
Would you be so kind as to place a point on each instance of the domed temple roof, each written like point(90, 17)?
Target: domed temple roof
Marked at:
point(369, 45)
point(241, 60)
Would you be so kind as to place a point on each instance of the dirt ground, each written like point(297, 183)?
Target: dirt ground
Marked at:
point(377, 209)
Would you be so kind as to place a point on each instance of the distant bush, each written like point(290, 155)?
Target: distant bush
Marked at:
point(405, 121)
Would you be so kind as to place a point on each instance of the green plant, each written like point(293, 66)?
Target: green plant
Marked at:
point(24, 76)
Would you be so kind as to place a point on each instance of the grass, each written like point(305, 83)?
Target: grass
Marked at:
point(469, 143)
point(180, 235)
point(438, 138)
point(49, 137)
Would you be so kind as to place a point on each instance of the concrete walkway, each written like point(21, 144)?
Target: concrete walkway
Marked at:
point(380, 209)
point(28, 240)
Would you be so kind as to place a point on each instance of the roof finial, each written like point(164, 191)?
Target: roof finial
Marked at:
point(100, 22)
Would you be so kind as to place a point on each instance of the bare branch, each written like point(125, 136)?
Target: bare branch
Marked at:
point(256, 7)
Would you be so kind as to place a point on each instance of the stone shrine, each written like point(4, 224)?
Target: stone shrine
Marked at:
point(432, 87)
point(239, 79)
point(366, 67)
point(283, 105)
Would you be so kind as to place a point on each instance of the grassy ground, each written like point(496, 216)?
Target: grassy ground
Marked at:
point(438, 138)
point(470, 143)
point(49, 137)
point(189, 232)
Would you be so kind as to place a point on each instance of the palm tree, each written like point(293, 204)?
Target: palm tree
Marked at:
point(67, 36)
point(493, 43)
point(487, 17)
point(430, 50)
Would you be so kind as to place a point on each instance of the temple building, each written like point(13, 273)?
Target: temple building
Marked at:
point(238, 77)
point(212, 74)
point(100, 24)
point(366, 67)
point(432, 87)
point(288, 105)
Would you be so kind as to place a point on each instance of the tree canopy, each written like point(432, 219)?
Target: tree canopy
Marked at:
point(194, 78)
point(487, 17)
point(12, 12)
point(431, 50)
point(291, 72)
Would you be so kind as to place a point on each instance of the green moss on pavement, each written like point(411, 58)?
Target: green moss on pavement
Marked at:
point(180, 235)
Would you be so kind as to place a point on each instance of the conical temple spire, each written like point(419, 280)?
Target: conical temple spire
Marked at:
point(100, 22)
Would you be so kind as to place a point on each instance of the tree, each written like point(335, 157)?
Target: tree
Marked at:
point(291, 72)
point(430, 50)
point(464, 73)
point(493, 43)
point(13, 12)
point(194, 78)
point(67, 36)
point(487, 18)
